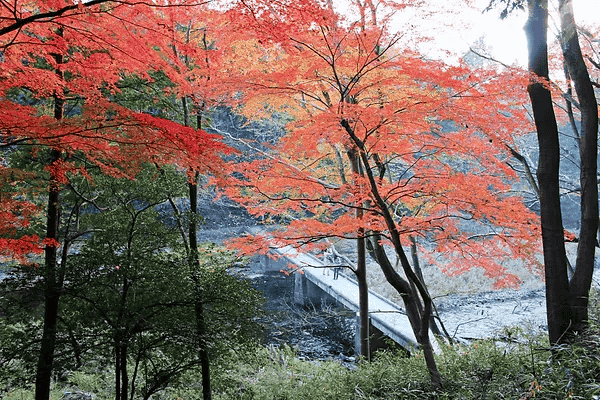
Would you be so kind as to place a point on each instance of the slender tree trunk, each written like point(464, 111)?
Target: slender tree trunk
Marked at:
point(124, 374)
point(121, 375)
point(363, 296)
point(413, 291)
point(117, 368)
point(199, 308)
point(52, 288)
point(558, 297)
point(418, 313)
point(204, 357)
point(195, 261)
point(361, 272)
point(51, 298)
point(417, 266)
point(588, 150)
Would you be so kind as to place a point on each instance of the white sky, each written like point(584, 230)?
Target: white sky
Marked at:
point(455, 30)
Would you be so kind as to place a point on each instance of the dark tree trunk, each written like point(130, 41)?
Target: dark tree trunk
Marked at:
point(51, 300)
point(52, 288)
point(117, 368)
point(417, 267)
point(566, 302)
point(418, 313)
point(191, 245)
point(584, 266)
point(361, 271)
point(124, 374)
point(195, 262)
point(199, 308)
point(555, 262)
point(121, 376)
point(414, 292)
point(363, 296)
point(204, 357)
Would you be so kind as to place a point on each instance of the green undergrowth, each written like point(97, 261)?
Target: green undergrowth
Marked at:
point(523, 368)
point(517, 365)
point(520, 367)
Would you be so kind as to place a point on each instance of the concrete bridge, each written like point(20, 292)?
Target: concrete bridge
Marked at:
point(316, 283)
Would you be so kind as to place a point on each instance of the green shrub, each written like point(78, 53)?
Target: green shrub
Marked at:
point(518, 365)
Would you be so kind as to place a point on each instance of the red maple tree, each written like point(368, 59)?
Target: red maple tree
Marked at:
point(384, 145)
point(62, 62)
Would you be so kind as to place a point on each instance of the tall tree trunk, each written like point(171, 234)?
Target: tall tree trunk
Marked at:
point(204, 357)
point(417, 310)
point(363, 296)
point(558, 298)
point(584, 266)
point(566, 302)
point(124, 374)
point(52, 289)
point(417, 267)
point(199, 307)
point(195, 261)
point(121, 375)
point(118, 342)
point(361, 270)
point(51, 297)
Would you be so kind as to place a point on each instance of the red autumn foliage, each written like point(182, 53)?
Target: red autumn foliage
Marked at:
point(436, 137)
point(77, 53)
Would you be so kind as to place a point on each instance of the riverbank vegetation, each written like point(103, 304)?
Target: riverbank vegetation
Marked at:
point(520, 366)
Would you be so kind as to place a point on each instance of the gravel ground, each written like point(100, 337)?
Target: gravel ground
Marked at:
point(484, 315)
point(487, 314)
point(467, 306)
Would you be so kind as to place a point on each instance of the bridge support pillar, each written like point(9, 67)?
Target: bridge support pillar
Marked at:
point(377, 340)
point(269, 264)
point(306, 292)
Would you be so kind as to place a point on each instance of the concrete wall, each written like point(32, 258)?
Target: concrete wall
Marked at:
point(377, 340)
point(267, 264)
point(307, 293)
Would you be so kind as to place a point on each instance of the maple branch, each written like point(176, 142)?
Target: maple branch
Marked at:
point(594, 63)
point(88, 34)
point(486, 235)
point(490, 58)
point(364, 70)
point(85, 199)
point(393, 230)
point(323, 183)
point(528, 173)
point(19, 23)
point(309, 200)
